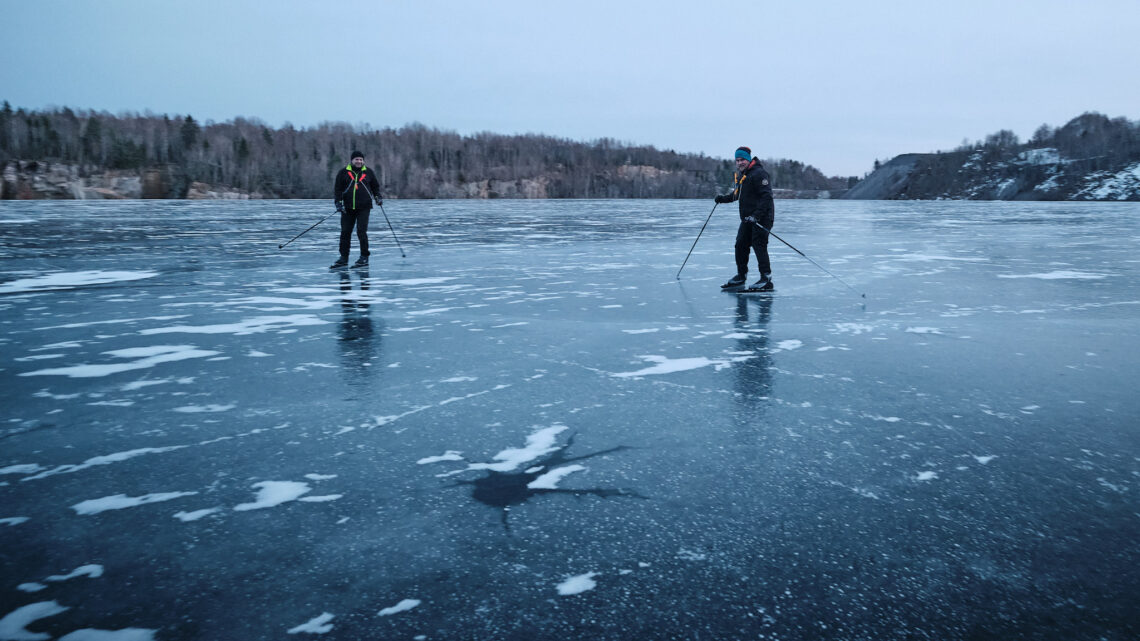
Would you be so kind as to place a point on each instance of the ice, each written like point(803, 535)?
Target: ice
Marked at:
point(402, 606)
point(316, 625)
point(717, 466)
point(578, 584)
point(274, 493)
point(122, 501)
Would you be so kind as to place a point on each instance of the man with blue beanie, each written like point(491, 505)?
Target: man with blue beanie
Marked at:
point(753, 190)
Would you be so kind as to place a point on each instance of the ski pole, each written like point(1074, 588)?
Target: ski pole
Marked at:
point(402, 254)
point(282, 245)
point(381, 203)
point(695, 241)
point(809, 259)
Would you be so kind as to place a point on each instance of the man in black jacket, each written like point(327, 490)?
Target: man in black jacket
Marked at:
point(753, 189)
point(353, 192)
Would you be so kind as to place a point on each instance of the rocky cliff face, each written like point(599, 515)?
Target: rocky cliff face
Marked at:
point(1036, 174)
point(35, 180)
point(1091, 158)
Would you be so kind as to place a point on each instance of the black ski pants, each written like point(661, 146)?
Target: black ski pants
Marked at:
point(354, 218)
point(750, 237)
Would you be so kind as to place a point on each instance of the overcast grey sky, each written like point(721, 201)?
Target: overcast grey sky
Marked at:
point(835, 84)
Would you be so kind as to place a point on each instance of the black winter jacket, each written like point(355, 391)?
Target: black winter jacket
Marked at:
point(754, 192)
point(356, 188)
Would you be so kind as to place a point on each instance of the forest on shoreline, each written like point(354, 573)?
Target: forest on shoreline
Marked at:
point(175, 153)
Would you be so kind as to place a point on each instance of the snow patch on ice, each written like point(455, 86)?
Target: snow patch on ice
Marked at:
point(105, 459)
point(984, 459)
point(316, 625)
point(549, 481)
point(122, 501)
point(186, 517)
point(450, 455)
point(93, 571)
point(126, 634)
point(789, 345)
point(200, 409)
point(1058, 275)
point(926, 476)
point(578, 584)
point(148, 357)
point(255, 325)
point(14, 520)
point(665, 365)
point(274, 493)
point(402, 606)
point(13, 627)
point(923, 330)
point(71, 280)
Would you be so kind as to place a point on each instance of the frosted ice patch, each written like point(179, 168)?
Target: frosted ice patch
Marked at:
point(274, 493)
point(984, 459)
point(641, 331)
point(926, 476)
point(148, 357)
point(25, 468)
point(449, 455)
point(186, 517)
point(71, 280)
point(255, 325)
point(14, 625)
point(853, 328)
point(665, 365)
point(1058, 275)
point(416, 281)
point(789, 345)
point(923, 330)
point(122, 502)
point(320, 499)
point(320, 477)
point(459, 379)
point(106, 459)
point(316, 625)
point(549, 481)
point(126, 634)
point(200, 409)
point(402, 606)
point(578, 584)
point(31, 587)
point(14, 520)
point(92, 571)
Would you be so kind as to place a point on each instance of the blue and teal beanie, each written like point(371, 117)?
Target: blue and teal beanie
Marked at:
point(744, 152)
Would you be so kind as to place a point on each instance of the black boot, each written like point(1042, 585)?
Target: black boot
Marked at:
point(340, 262)
point(361, 262)
point(763, 285)
point(735, 281)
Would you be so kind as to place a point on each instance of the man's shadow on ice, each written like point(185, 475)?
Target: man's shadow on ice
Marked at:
point(356, 334)
point(502, 490)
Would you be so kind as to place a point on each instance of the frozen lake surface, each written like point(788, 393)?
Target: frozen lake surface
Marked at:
point(530, 429)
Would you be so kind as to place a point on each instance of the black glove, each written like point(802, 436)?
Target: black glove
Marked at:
point(721, 199)
point(340, 206)
point(379, 202)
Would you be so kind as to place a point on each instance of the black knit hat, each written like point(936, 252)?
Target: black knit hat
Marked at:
point(356, 154)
